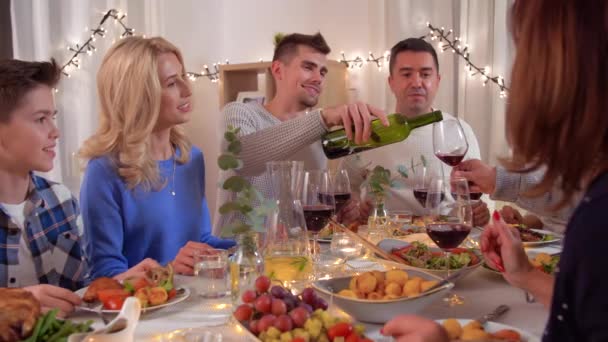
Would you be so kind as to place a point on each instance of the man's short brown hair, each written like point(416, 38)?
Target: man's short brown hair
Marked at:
point(18, 77)
point(288, 45)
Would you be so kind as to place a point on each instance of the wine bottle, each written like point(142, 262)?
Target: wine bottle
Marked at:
point(336, 144)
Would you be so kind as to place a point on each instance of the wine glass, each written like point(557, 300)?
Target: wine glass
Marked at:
point(449, 141)
point(423, 181)
point(451, 219)
point(317, 201)
point(341, 189)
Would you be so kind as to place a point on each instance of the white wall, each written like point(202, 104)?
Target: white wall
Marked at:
point(243, 31)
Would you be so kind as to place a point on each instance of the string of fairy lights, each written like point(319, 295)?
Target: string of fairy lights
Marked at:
point(446, 40)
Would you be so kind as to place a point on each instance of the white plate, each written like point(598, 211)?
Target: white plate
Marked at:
point(556, 238)
point(493, 327)
point(98, 307)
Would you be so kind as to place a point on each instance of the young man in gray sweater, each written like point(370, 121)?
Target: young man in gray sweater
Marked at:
point(285, 128)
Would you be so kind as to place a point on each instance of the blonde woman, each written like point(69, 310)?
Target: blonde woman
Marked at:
point(143, 193)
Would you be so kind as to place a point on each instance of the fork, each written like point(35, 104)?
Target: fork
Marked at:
point(499, 311)
point(89, 308)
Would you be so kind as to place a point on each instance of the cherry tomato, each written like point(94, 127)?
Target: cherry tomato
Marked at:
point(298, 339)
point(352, 337)
point(341, 329)
point(114, 303)
point(104, 295)
point(172, 293)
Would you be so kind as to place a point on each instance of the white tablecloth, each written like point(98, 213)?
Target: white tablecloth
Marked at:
point(482, 290)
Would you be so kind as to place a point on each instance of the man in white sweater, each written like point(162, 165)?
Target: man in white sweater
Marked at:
point(414, 79)
point(284, 128)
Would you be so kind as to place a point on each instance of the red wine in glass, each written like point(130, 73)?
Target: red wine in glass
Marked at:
point(452, 159)
point(421, 194)
point(340, 199)
point(448, 235)
point(317, 216)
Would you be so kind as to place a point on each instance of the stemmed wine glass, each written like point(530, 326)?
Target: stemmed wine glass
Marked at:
point(317, 200)
point(449, 141)
point(423, 181)
point(451, 218)
point(341, 190)
point(450, 145)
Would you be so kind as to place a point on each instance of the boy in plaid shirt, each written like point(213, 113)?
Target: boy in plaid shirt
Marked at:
point(41, 234)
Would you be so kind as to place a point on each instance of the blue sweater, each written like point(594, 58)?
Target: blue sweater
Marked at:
point(123, 227)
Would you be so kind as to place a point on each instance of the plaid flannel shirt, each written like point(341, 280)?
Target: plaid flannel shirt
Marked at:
point(53, 231)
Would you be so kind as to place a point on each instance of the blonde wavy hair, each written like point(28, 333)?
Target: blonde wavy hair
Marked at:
point(129, 92)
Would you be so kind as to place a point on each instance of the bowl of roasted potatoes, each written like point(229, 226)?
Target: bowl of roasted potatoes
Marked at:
point(376, 297)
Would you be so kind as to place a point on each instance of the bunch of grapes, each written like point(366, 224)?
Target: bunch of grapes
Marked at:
point(275, 314)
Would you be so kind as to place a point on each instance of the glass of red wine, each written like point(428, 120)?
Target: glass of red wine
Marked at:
point(341, 188)
point(449, 142)
point(317, 200)
point(451, 219)
point(423, 180)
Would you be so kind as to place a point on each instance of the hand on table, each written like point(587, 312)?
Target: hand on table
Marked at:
point(51, 297)
point(184, 261)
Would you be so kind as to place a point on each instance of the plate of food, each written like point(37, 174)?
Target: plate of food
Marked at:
point(419, 256)
point(536, 237)
point(154, 291)
point(472, 330)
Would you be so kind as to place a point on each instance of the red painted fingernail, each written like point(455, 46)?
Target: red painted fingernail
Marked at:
point(382, 331)
point(500, 266)
point(496, 215)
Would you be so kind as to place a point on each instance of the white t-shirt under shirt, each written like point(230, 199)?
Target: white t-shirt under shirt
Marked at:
point(403, 154)
point(25, 272)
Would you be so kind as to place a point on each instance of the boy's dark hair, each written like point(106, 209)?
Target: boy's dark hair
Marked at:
point(412, 44)
point(19, 77)
point(288, 45)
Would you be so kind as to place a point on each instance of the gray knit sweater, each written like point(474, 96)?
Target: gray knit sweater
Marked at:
point(265, 138)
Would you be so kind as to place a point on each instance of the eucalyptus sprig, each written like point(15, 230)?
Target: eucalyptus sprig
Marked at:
point(247, 201)
point(380, 180)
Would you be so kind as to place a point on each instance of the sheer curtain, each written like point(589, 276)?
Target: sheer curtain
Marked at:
point(43, 29)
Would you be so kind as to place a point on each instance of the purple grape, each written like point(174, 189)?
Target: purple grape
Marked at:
point(278, 292)
point(320, 303)
point(308, 307)
point(309, 296)
point(291, 302)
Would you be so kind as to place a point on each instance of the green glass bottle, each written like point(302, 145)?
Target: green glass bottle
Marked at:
point(336, 144)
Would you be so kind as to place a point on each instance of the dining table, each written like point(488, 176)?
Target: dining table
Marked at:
point(481, 290)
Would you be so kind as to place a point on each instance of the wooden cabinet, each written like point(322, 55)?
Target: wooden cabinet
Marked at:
point(235, 78)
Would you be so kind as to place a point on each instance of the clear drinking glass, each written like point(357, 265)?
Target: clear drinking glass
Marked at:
point(212, 272)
